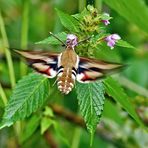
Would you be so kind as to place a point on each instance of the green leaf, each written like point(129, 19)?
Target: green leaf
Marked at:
point(46, 122)
point(105, 53)
point(79, 16)
point(48, 112)
point(29, 94)
point(135, 11)
point(111, 111)
point(60, 133)
point(105, 17)
point(113, 89)
point(91, 100)
point(124, 44)
point(30, 128)
point(68, 21)
point(53, 41)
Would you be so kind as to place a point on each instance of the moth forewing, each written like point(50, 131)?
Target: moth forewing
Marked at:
point(92, 69)
point(43, 62)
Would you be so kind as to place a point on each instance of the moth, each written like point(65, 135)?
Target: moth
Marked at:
point(68, 66)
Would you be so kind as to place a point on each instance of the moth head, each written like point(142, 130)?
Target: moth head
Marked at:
point(72, 40)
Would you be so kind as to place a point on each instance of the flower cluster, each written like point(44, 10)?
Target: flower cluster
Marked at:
point(94, 23)
point(113, 38)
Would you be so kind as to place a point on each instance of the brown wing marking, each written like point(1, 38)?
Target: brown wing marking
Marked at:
point(92, 69)
point(43, 62)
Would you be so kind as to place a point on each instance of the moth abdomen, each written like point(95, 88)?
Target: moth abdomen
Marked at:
point(66, 81)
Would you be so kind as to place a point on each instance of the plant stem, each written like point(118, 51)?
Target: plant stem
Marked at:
point(76, 138)
point(50, 139)
point(9, 62)
point(24, 33)
point(98, 5)
point(79, 121)
point(132, 86)
point(24, 39)
point(3, 95)
point(82, 5)
point(7, 52)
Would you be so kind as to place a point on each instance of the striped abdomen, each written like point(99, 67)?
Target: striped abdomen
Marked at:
point(66, 79)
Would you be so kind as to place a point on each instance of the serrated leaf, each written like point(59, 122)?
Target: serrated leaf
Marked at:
point(68, 21)
point(29, 94)
point(135, 11)
point(53, 41)
point(113, 89)
point(91, 100)
point(124, 44)
point(30, 127)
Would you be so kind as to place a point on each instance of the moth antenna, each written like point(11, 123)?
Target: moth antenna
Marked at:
point(84, 40)
point(63, 44)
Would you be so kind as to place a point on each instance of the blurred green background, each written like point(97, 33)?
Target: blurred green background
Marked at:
point(30, 21)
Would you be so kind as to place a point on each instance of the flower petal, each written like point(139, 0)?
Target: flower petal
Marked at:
point(106, 22)
point(108, 38)
point(115, 37)
point(111, 44)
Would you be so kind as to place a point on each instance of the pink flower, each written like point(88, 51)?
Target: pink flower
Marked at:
point(106, 18)
point(112, 39)
point(72, 40)
point(106, 22)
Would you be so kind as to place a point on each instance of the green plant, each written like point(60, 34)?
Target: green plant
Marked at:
point(33, 93)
